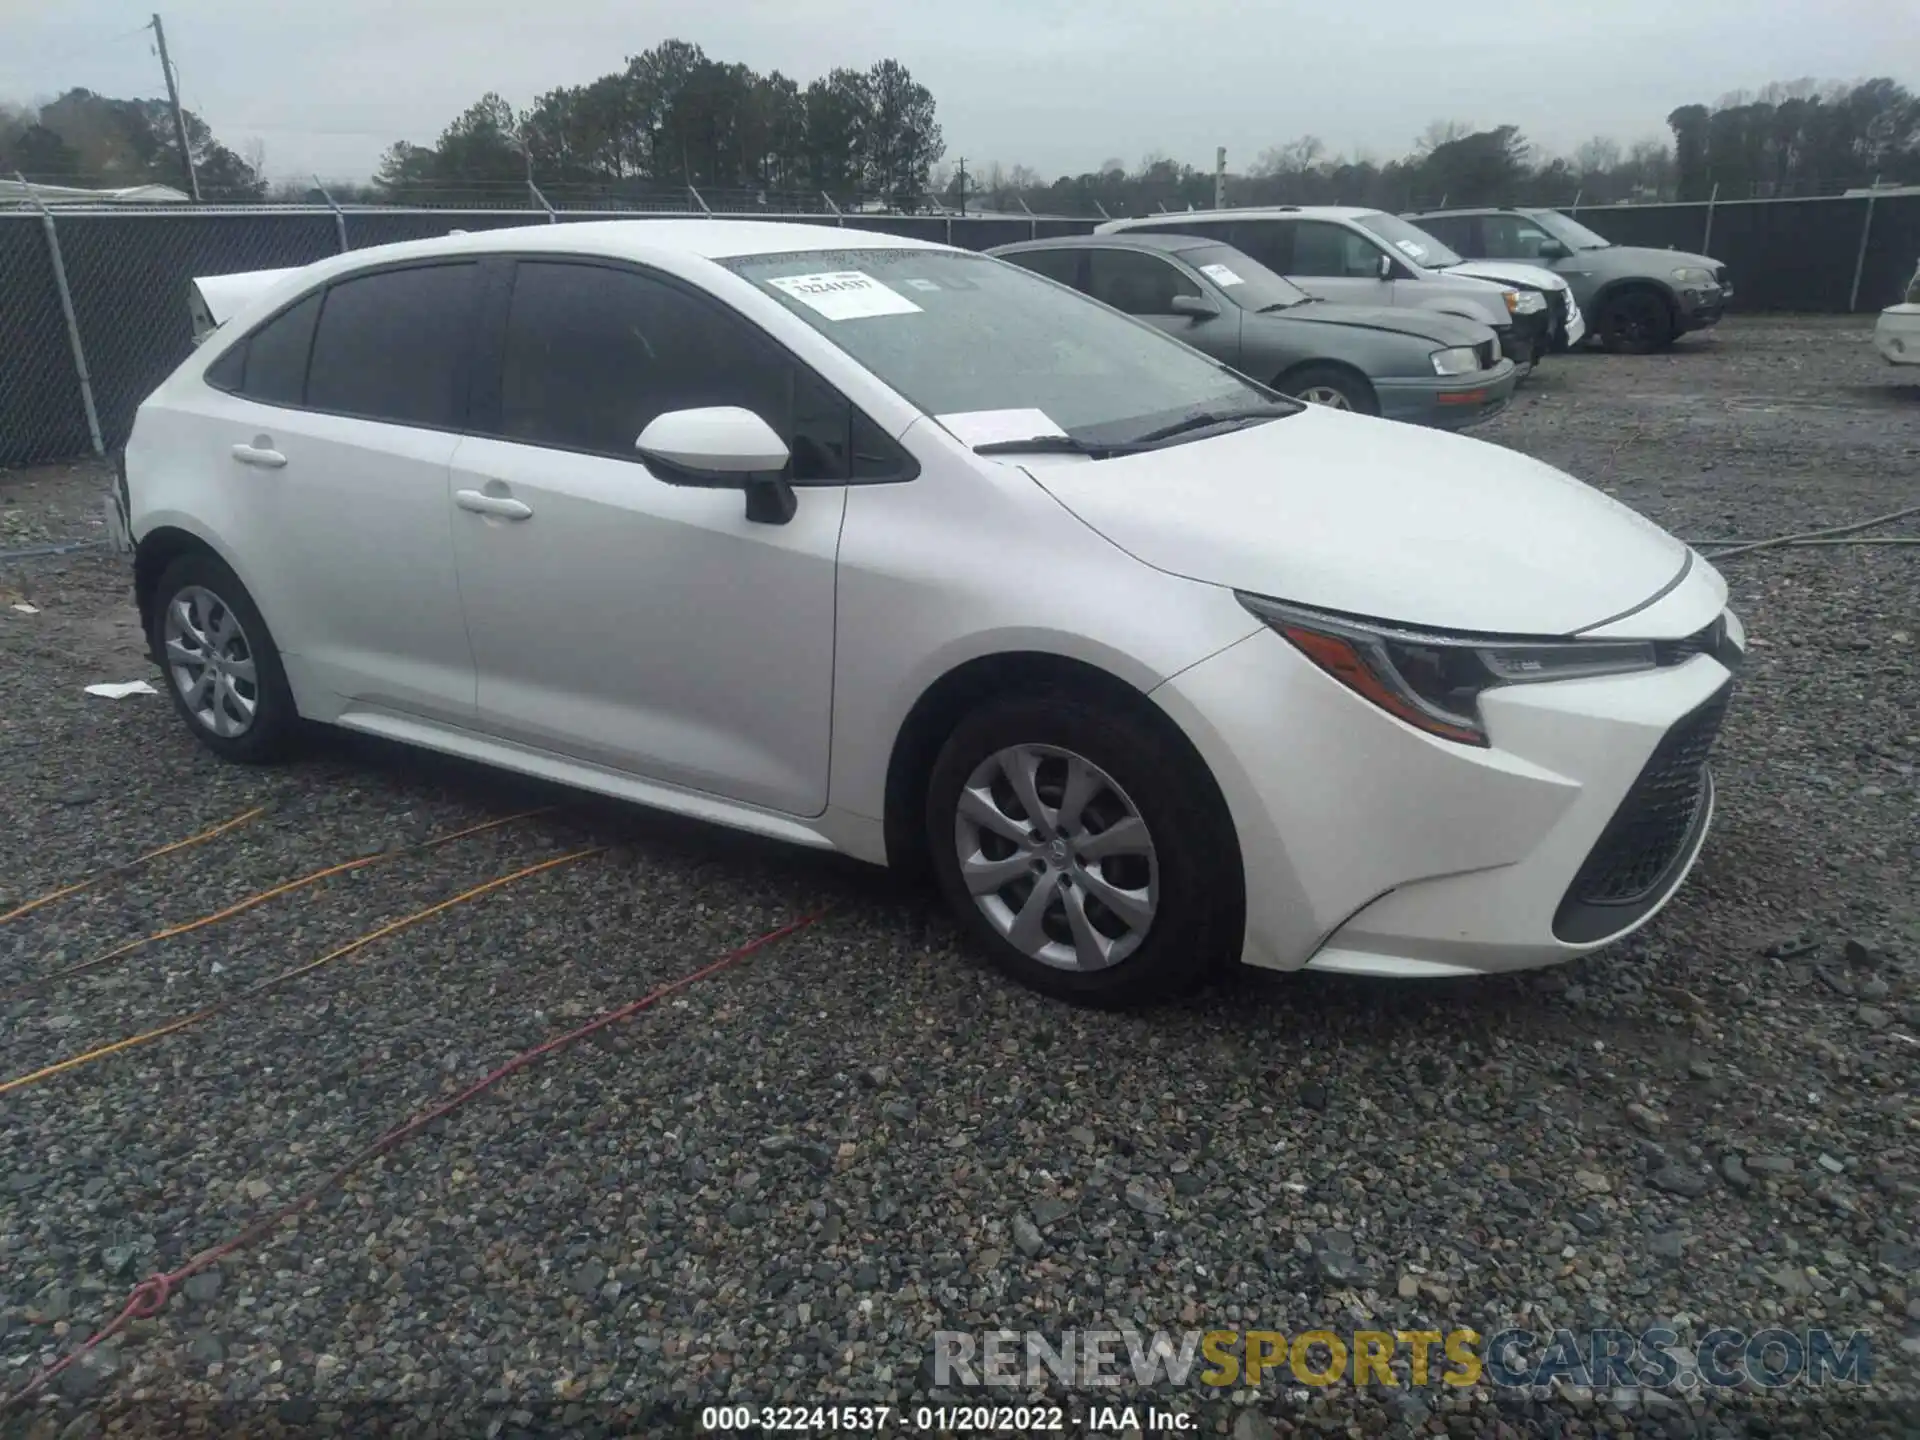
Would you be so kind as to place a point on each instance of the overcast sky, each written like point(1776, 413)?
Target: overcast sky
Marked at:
point(325, 85)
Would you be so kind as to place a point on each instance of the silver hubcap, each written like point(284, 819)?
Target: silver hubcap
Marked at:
point(211, 662)
point(1324, 395)
point(1057, 857)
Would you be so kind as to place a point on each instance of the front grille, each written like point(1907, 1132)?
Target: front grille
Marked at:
point(1559, 299)
point(1487, 352)
point(1646, 836)
point(1720, 275)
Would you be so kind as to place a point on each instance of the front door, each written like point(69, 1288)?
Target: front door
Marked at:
point(620, 620)
point(1336, 263)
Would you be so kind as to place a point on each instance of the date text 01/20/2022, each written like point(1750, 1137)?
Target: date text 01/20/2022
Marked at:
point(941, 1419)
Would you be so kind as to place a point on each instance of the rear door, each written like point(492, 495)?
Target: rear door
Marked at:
point(333, 425)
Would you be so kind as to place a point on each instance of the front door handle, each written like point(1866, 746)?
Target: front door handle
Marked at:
point(500, 506)
point(260, 454)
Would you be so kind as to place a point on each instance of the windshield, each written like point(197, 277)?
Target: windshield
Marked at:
point(1570, 233)
point(1243, 279)
point(1410, 240)
point(960, 334)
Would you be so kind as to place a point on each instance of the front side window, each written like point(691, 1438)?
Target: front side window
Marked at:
point(1570, 233)
point(1333, 251)
point(1453, 231)
point(959, 334)
point(1243, 279)
point(1135, 282)
point(1413, 241)
point(392, 345)
point(593, 354)
point(1513, 237)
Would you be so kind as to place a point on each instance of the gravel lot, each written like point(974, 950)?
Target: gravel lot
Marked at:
point(775, 1186)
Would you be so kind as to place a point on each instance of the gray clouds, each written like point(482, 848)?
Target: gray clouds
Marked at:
point(326, 87)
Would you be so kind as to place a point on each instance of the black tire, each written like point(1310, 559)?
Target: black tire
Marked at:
point(1198, 911)
point(1638, 321)
point(1357, 393)
point(274, 725)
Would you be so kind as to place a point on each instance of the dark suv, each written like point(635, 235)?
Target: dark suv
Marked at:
point(1637, 299)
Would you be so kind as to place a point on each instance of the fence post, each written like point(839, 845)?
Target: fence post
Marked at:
point(1706, 241)
point(1860, 260)
point(1033, 225)
point(1102, 209)
point(339, 217)
point(838, 218)
point(698, 201)
point(552, 217)
point(66, 310)
point(1576, 202)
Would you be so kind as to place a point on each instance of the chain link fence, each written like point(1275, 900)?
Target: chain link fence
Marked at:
point(93, 302)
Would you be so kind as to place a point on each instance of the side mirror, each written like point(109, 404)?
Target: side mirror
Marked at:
point(722, 447)
point(1198, 306)
point(1552, 250)
point(1385, 268)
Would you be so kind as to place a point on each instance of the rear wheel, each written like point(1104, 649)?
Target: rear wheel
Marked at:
point(220, 664)
point(1087, 857)
point(1636, 322)
point(1331, 386)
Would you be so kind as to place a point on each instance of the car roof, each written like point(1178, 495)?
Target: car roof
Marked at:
point(1482, 210)
point(1264, 212)
point(1115, 239)
point(644, 240)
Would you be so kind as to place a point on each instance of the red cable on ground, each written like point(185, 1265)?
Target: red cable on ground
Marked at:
point(150, 1296)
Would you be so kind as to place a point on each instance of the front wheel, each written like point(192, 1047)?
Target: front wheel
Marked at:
point(1087, 856)
point(220, 664)
point(1332, 387)
point(1636, 322)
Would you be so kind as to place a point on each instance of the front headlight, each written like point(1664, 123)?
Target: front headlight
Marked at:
point(1460, 360)
point(1693, 275)
point(1432, 680)
point(1525, 302)
point(1512, 297)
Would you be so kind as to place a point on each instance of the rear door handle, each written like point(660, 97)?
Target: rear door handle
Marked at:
point(259, 456)
point(500, 506)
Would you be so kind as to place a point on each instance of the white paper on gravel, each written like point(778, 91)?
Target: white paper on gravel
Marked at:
point(1221, 275)
point(983, 427)
point(25, 609)
point(845, 295)
point(119, 690)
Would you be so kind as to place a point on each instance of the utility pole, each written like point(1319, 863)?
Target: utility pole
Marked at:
point(1220, 178)
point(179, 117)
point(960, 182)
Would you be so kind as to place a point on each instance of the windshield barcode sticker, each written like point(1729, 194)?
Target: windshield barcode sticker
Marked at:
point(1221, 275)
point(844, 295)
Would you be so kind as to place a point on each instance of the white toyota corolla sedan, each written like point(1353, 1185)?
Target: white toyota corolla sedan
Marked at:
point(888, 548)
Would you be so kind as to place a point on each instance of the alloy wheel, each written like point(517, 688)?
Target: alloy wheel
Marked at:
point(211, 662)
point(1324, 395)
point(1056, 857)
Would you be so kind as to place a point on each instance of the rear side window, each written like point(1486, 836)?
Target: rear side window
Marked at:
point(270, 365)
point(1453, 231)
point(1061, 265)
point(593, 354)
point(392, 345)
point(1268, 241)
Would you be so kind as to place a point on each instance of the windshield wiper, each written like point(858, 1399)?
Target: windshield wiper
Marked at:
point(1286, 305)
point(1040, 444)
point(1204, 421)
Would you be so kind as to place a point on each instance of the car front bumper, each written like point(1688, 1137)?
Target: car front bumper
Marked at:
point(1701, 307)
point(1527, 338)
point(1452, 402)
point(1896, 335)
point(1373, 848)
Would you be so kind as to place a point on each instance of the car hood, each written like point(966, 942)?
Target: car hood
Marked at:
point(1509, 272)
point(1377, 519)
point(1640, 259)
point(1442, 330)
